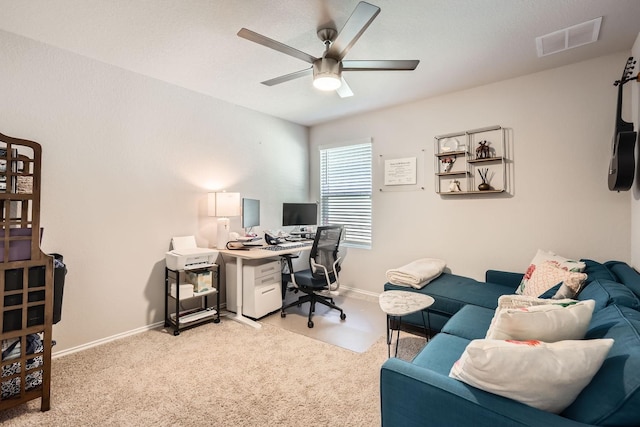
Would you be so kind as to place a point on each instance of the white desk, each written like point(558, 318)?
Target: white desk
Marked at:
point(254, 253)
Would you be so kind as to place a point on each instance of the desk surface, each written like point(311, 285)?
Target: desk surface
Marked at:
point(257, 253)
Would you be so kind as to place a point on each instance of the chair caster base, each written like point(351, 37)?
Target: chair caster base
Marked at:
point(310, 323)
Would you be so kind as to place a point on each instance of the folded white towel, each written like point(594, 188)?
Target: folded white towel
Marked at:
point(416, 274)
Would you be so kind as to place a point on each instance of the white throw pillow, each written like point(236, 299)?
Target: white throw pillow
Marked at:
point(560, 261)
point(547, 376)
point(548, 274)
point(544, 320)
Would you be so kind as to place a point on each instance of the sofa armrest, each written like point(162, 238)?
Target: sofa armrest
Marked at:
point(414, 396)
point(505, 278)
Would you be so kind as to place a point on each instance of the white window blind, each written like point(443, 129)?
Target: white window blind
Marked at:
point(345, 190)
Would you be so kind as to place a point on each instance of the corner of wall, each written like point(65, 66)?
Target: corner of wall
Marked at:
point(635, 192)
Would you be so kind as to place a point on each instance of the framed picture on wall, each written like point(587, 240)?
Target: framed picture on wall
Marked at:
point(401, 172)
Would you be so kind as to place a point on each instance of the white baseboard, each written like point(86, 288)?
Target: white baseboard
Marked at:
point(96, 343)
point(346, 291)
point(358, 293)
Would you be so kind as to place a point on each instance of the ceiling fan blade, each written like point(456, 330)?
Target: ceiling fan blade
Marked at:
point(275, 45)
point(381, 65)
point(288, 77)
point(357, 23)
point(344, 91)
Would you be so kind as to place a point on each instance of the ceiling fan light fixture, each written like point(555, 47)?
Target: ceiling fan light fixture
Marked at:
point(327, 83)
point(327, 70)
point(327, 74)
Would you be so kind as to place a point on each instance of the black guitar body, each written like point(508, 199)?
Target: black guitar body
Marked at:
point(623, 162)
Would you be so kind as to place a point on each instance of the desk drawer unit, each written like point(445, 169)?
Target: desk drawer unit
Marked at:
point(263, 297)
point(256, 269)
point(261, 290)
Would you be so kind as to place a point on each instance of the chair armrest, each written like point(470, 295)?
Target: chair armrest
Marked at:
point(505, 278)
point(415, 396)
point(325, 273)
point(315, 266)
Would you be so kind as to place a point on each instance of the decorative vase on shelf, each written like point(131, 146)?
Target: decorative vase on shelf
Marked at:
point(484, 175)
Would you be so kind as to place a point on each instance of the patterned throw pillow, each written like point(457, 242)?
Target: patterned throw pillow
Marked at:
point(547, 376)
point(561, 262)
point(547, 275)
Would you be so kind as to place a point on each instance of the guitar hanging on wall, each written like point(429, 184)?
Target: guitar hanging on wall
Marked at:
point(622, 166)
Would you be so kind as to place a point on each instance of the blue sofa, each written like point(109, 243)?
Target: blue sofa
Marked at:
point(420, 392)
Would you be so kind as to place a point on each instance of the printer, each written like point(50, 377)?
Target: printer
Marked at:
point(186, 255)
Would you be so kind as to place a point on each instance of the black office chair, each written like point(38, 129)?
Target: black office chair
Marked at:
point(321, 279)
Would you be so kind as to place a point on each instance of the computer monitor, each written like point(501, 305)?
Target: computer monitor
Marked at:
point(250, 213)
point(299, 214)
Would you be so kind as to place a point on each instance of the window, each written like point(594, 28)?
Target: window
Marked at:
point(345, 190)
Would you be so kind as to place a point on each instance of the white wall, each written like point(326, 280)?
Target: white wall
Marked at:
point(561, 124)
point(128, 160)
point(635, 191)
point(127, 163)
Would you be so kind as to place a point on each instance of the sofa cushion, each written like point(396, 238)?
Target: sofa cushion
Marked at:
point(613, 396)
point(441, 353)
point(471, 322)
point(625, 274)
point(508, 278)
point(547, 376)
point(525, 318)
point(606, 292)
point(596, 270)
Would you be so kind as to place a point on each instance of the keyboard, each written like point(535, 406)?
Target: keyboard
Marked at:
point(287, 245)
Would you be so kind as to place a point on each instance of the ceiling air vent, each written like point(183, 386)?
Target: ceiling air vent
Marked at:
point(568, 38)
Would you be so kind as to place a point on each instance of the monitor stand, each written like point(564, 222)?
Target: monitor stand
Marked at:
point(303, 232)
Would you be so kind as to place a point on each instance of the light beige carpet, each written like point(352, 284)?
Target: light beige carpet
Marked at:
point(214, 375)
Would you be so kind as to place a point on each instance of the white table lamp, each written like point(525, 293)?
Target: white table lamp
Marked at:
point(223, 205)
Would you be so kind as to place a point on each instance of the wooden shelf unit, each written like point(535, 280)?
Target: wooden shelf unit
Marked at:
point(26, 277)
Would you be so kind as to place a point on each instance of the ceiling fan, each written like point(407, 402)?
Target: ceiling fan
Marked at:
point(327, 70)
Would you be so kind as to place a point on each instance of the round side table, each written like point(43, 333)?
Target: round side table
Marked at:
point(401, 303)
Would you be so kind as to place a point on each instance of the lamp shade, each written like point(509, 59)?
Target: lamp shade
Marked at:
point(224, 204)
point(327, 74)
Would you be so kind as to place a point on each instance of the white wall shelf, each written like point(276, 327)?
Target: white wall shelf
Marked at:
point(465, 163)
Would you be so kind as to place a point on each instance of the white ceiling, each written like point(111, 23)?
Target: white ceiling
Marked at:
point(193, 44)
